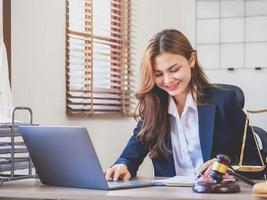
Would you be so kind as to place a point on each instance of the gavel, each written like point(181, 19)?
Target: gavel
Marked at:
point(221, 166)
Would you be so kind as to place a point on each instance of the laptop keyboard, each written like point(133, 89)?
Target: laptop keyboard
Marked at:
point(121, 184)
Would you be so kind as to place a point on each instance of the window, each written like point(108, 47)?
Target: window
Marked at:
point(98, 57)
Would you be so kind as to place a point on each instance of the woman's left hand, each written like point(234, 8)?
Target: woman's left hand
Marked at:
point(206, 168)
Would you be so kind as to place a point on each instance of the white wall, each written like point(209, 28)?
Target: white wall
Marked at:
point(38, 56)
point(252, 82)
point(38, 78)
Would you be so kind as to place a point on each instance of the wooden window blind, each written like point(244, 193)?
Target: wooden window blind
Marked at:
point(98, 57)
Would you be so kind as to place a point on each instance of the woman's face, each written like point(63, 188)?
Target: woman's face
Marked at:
point(172, 73)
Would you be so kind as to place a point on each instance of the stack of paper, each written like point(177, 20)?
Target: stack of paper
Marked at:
point(182, 181)
point(19, 163)
point(21, 156)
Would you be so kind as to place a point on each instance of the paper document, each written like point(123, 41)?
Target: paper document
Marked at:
point(17, 148)
point(182, 181)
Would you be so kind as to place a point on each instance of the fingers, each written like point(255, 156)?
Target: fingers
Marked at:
point(205, 166)
point(228, 177)
point(206, 174)
point(127, 177)
point(116, 172)
point(121, 173)
point(109, 173)
point(206, 169)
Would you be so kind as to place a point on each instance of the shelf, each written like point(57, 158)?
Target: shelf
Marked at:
point(14, 155)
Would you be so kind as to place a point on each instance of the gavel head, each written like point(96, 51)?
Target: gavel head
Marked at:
point(220, 167)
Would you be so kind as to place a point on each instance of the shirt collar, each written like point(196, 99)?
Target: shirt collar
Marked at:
point(189, 103)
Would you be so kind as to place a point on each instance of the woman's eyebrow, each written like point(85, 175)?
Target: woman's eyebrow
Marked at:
point(172, 66)
point(169, 68)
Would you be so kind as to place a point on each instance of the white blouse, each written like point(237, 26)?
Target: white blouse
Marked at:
point(185, 137)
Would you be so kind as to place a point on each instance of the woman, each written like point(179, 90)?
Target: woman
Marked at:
point(184, 120)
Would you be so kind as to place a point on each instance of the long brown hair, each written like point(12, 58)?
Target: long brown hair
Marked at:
point(153, 101)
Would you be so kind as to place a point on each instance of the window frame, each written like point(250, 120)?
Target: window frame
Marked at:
point(120, 63)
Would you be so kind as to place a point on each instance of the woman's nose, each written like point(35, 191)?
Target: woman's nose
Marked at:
point(168, 79)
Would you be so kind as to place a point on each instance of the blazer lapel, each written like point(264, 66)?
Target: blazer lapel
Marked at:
point(206, 117)
point(170, 156)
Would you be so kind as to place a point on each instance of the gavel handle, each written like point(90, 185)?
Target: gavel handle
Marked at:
point(240, 177)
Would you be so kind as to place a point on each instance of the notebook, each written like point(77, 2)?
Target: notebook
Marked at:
point(65, 156)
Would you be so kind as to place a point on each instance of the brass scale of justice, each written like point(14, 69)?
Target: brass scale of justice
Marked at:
point(222, 166)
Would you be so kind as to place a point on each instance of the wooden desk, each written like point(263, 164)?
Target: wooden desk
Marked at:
point(33, 189)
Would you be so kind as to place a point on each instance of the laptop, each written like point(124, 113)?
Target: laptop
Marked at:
point(65, 156)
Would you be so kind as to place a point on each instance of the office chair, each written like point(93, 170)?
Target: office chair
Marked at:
point(259, 131)
point(241, 100)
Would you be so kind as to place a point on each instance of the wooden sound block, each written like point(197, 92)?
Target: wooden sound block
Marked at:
point(260, 190)
point(212, 187)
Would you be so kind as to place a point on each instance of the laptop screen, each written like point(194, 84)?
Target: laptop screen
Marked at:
point(64, 156)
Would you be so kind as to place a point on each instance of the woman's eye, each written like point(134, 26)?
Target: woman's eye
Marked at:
point(158, 74)
point(174, 70)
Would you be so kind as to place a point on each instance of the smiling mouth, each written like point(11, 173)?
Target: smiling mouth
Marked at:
point(172, 87)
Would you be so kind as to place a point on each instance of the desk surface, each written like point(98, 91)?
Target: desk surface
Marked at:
point(33, 189)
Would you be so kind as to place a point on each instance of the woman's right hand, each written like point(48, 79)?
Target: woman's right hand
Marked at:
point(116, 172)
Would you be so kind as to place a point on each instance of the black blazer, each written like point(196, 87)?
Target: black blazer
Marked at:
point(221, 125)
